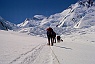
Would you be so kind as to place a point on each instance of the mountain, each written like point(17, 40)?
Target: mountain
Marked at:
point(5, 25)
point(78, 15)
point(32, 22)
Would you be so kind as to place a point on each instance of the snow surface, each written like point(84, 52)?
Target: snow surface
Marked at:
point(14, 46)
point(76, 25)
point(76, 48)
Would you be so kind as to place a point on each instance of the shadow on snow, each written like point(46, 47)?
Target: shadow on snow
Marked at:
point(63, 47)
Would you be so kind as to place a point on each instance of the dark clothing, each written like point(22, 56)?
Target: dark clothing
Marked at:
point(54, 37)
point(49, 33)
point(51, 36)
point(50, 39)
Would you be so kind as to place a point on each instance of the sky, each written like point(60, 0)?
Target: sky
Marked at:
point(16, 11)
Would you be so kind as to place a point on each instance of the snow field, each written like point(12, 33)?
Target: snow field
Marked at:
point(14, 45)
point(76, 48)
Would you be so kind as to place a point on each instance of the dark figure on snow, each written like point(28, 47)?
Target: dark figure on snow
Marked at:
point(51, 36)
point(59, 39)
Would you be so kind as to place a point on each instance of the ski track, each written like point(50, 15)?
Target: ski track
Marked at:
point(46, 56)
point(29, 56)
point(40, 54)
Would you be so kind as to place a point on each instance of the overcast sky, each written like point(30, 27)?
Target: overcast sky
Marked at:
point(16, 11)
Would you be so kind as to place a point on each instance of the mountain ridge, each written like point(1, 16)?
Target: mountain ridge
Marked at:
point(6, 25)
point(78, 15)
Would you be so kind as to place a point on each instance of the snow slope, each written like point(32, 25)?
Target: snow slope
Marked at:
point(5, 25)
point(32, 22)
point(78, 15)
point(76, 48)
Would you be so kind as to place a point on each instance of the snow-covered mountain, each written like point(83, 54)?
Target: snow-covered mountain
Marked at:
point(32, 22)
point(75, 25)
point(5, 25)
point(78, 15)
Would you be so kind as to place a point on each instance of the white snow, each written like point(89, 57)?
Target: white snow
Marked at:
point(14, 45)
point(76, 48)
point(39, 16)
point(76, 25)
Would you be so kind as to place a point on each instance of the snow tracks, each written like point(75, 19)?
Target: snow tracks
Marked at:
point(40, 54)
point(29, 56)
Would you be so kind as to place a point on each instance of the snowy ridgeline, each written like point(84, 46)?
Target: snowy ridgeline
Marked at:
point(6, 25)
point(77, 16)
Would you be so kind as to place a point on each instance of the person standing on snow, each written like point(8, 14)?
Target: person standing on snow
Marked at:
point(50, 35)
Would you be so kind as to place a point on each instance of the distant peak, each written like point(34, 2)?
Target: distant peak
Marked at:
point(39, 16)
point(27, 19)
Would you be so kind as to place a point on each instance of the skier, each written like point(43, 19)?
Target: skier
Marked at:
point(50, 35)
